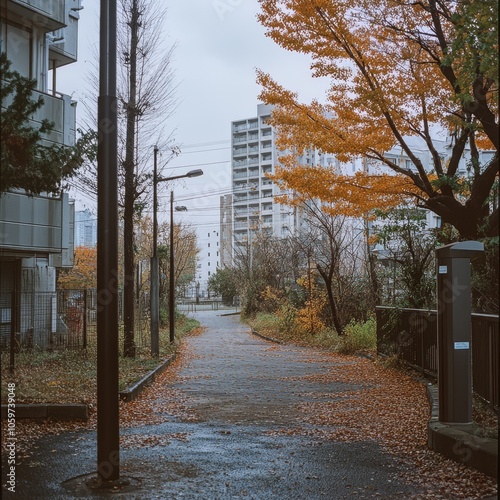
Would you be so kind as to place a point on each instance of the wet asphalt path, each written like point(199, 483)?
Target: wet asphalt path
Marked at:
point(243, 391)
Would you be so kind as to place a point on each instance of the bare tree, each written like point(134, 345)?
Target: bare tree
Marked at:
point(146, 95)
point(335, 244)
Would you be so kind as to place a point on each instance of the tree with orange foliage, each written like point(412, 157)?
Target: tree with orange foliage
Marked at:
point(397, 69)
point(83, 274)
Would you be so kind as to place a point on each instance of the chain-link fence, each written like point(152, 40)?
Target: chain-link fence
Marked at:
point(64, 319)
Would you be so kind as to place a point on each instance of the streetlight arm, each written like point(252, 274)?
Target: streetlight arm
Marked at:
point(192, 173)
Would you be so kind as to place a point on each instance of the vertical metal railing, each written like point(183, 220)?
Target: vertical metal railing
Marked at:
point(411, 334)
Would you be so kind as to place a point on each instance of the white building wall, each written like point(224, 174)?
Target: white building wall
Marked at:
point(208, 260)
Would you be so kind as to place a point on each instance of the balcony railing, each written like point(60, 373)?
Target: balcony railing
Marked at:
point(61, 111)
point(37, 224)
point(47, 14)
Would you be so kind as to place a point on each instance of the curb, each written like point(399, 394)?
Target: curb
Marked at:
point(459, 443)
point(270, 339)
point(75, 411)
point(132, 392)
point(79, 411)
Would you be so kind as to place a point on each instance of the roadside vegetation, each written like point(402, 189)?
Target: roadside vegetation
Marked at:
point(70, 375)
point(357, 337)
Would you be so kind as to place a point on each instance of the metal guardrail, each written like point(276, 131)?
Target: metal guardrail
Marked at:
point(411, 334)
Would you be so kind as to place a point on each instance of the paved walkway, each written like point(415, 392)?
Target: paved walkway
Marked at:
point(239, 395)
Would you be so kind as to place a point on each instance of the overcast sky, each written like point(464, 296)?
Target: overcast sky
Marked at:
point(219, 46)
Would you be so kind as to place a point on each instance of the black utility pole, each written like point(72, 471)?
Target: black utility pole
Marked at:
point(154, 289)
point(108, 439)
point(171, 283)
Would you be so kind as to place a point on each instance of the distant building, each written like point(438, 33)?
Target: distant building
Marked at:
point(208, 261)
point(252, 206)
point(253, 155)
point(36, 232)
point(85, 229)
point(226, 230)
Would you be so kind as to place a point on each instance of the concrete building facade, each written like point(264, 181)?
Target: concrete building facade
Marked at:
point(37, 232)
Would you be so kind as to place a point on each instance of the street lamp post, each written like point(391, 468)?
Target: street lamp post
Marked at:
point(155, 295)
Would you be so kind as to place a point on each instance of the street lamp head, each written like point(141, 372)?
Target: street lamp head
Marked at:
point(195, 173)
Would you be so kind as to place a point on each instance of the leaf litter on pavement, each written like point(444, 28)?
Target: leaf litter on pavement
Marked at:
point(388, 407)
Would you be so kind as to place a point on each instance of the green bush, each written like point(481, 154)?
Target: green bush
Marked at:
point(359, 337)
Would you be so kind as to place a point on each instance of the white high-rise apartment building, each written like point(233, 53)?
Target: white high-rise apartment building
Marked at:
point(253, 155)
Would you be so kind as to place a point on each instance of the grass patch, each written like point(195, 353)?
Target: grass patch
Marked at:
point(357, 337)
point(70, 375)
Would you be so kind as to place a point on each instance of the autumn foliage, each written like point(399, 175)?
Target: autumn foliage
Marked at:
point(396, 70)
point(84, 273)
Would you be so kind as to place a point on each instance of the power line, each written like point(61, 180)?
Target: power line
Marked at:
point(202, 151)
point(213, 143)
point(199, 164)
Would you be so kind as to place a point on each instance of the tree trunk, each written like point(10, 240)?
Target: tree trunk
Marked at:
point(327, 278)
point(128, 222)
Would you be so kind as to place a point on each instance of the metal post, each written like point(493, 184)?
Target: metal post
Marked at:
point(108, 440)
point(85, 305)
point(171, 300)
point(454, 330)
point(155, 292)
point(14, 308)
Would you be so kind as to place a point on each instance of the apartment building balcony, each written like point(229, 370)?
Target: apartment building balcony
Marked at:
point(253, 172)
point(58, 109)
point(240, 186)
point(239, 198)
point(240, 126)
point(240, 163)
point(240, 225)
point(253, 160)
point(253, 149)
point(63, 43)
point(266, 133)
point(240, 175)
point(237, 139)
point(37, 225)
point(253, 124)
point(61, 111)
point(240, 151)
point(48, 15)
